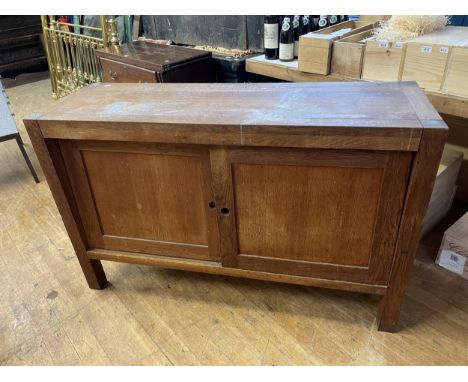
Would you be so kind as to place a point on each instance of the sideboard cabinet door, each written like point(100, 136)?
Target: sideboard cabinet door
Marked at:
point(316, 213)
point(144, 198)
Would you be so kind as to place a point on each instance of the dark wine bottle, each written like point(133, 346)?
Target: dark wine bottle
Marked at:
point(306, 24)
point(323, 22)
point(286, 47)
point(280, 20)
point(271, 36)
point(313, 20)
point(332, 20)
point(297, 29)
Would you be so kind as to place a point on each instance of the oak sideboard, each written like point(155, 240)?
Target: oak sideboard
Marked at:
point(319, 184)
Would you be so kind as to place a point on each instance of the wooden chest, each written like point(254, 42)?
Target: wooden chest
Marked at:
point(321, 184)
point(148, 62)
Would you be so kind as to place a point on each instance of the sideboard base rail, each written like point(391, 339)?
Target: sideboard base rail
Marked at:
point(215, 268)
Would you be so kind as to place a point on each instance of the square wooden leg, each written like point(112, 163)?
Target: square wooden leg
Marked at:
point(94, 274)
point(388, 314)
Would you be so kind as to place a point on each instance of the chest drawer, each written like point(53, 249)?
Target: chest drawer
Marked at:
point(114, 71)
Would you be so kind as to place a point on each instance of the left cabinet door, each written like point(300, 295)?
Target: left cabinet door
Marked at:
point(146, 198)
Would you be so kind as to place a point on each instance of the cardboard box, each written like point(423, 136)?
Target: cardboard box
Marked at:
point(427, 56)
point(453, 253)
point(348, 54)
point(383, 61)
point(315, 48)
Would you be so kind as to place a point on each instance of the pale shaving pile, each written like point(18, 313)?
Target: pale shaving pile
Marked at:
point(404, 28)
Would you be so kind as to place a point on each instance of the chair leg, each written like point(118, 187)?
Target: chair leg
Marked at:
point(26, 158)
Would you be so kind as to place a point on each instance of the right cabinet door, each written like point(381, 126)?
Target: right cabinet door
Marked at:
point(315, 213)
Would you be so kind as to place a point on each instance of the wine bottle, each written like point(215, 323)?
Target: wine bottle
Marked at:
point(323, 22)
point(332, 20)
point(286, 47)
point(313, 20)
point(297, 29)
point(271, 35)
point(306, 24)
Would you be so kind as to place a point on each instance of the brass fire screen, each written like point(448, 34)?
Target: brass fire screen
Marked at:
point(71, 58)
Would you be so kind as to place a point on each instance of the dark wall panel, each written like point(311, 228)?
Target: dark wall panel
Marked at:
point(233, 32)
point(255, 32)
point(457, 19)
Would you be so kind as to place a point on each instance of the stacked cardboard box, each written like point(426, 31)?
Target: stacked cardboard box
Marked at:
point(453, 253)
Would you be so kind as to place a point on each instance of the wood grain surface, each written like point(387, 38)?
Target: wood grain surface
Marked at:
point(143, 197)
point(269, 104)
point(326, 115)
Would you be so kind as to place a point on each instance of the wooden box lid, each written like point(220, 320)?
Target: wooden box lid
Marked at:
point(451, 36)
point(152, 56)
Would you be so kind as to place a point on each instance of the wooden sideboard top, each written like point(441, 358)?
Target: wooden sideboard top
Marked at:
point(387, 116)
point(278, 104)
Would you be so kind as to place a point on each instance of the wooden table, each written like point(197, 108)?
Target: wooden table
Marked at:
point(288, 71)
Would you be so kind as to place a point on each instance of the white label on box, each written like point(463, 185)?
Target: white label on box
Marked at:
point(426, 49)
point(383, 44)
point(398, 45)
point(452, 261)
point(444, 49)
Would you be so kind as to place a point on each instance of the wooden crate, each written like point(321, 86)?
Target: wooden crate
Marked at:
point(456, 74)
point(374, 18)
point(315, 48)
point(427, 56)
point(347, 55)
point(383, 61)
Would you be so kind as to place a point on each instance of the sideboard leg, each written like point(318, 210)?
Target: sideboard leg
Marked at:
point(94, 273)
point(423, 174)
point(388, 314)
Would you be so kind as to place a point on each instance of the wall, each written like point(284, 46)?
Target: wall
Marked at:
point(233, 32)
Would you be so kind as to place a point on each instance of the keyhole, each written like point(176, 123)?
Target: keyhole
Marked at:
point(225, 211)
point(212, 204)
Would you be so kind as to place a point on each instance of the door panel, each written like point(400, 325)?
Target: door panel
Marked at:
point(321, 213)
point(143, 197)
point(306, 213)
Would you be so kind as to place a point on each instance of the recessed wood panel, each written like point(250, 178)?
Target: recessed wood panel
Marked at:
point(146, 198)
point(153, 197)
point(315, 214)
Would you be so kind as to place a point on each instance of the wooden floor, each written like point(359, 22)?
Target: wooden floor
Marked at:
point(151, 316)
